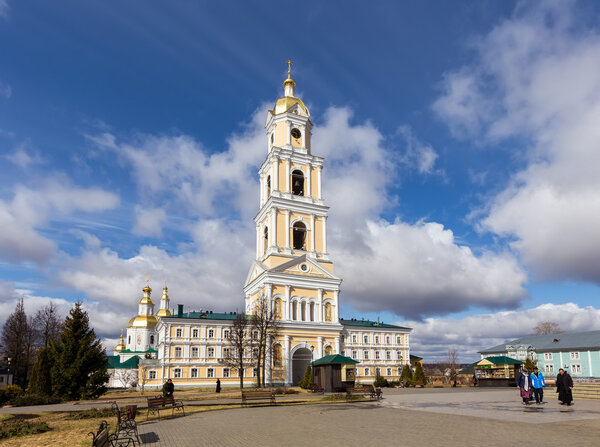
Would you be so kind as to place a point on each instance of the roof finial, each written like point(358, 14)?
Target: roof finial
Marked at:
point(289, 84)
point(165, 288)
point(147, 278)
point(289, 62)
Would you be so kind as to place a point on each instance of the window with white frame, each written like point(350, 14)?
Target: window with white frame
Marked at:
point(574, 355)
point(195, 352)
point(210, 373)
point(398, 340)
point(353, 338)
point(177, 373)
point(342, 338)
point(387, 340)
point(343, 352)
point(354, 355)
point(575, 368)
point(211, 333)
point(210, 352)
point(549, 369)
point(255, 353)
point(226, 333)
point(399, 355)
point(178, 352)
point(377, 339)
point(400, 371)
point(194, 373)
point(377, 355)
point(367, 372)
point(377, 371)
point(388, 355)
point(547, 356)
point(225, 373)
point(152, 375)
point(388, 372)
point(179, 332)
point(226, 353)
point(254, 372)
point(366, 355)
point(195, 333)
point(255, 335)
point(366, 339)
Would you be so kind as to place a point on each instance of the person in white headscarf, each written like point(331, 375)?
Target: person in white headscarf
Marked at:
point(524, 384)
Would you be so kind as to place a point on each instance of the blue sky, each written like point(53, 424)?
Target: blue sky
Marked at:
point(459, 139)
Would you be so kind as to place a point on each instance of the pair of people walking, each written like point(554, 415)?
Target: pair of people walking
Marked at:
point(531, 383)
point(564, 385)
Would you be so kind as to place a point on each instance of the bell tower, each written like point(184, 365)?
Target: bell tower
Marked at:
point(292, 267)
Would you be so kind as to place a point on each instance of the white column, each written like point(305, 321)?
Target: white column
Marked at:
point(289, 135)
point(268, 361)
point(590, 363)
point(258, 238)
point(336, 309)
point(324, 234)
point(287, 228)
point(273, 233)
point(263, 188)
point(288, 305)
point(320, 346)
point(286, 355)
point(275, 184)
point(287, 176)
point(337, 345)
point(308, 192)
point(319, 182)
point(312, 233)
point(321, 307)
point(561, 360)
point(269, 288)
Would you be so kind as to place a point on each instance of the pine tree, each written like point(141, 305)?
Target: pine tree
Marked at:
point(40, 382)
point(529, 365)
point(79, 361)
point(406, 375)
point(420, 376)
point(306, 383)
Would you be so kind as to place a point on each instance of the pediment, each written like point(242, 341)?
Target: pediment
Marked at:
point(256, 269)
point(304, 266)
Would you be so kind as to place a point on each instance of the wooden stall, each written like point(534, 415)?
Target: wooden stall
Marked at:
point(333, 373)
point(497, 371)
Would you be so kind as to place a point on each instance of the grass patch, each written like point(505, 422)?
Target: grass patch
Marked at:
point(92, 413)
point(13, 427)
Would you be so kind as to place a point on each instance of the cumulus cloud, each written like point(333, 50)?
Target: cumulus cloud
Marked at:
point(33, 208)
point(418, 154)
point(534, 81)
point(149, 221)
point(433, 337)
point(22, 158)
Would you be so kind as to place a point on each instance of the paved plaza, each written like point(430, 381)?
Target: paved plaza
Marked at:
point(448, 417)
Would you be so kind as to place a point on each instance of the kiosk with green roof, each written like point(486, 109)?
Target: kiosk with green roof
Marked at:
point(334, 373)
point(497, 371)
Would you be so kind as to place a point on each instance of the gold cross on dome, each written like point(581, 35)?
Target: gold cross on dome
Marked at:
point(289, 62)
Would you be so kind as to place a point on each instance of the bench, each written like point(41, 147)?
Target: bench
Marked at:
point(316, 388)
point(364, 390)
point(101, 438)
point(126, 425)
point(258, 395)
point(155, 404)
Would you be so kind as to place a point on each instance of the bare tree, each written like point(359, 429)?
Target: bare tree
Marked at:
point(47, 324)
point(546, 328)
point(18, 343)
point(265, 328)
point(452, 360)
point(240, 347)
point(126, 376)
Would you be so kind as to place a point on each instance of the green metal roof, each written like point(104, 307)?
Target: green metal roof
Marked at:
point(415, 357)
point(333, 359)
point(501, 359)
point(368, 323)
point(206, 315)
point(151, 351)
point(114, 362)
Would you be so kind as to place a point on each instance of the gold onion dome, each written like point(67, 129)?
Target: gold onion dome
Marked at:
point(284, 103)
point(121, 345)
point(149, 321)
point(164, 312)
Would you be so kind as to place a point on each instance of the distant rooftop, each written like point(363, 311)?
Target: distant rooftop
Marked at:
point(114, 362)
point(368, 323)
point(206, 315)
point(552, 342)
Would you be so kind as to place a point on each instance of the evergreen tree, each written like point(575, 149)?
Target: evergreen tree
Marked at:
point(529, 364)
point(18, 344)
point(406, 375)
point(420, 376)
point(380, 381)
point(79, 361)
point(306, 383)
point(40, 382)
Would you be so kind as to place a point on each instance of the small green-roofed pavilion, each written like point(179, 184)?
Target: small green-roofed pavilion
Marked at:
point(501, 360)
point(333, 359)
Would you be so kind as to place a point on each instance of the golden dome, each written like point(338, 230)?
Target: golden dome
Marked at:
point(148, 321)
point(284, 103)
point(146, 300)
point(163, 313)
point(121, 345)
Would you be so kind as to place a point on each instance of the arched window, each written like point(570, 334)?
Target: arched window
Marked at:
point(277, 309)
point(277, 356)
point(312, 312)
point(268, 185)
point(303, 311)
point(328, 350)
point(297, 183)
point(266, 239)
point(152, 339)
point(299, 236)
point(328, 312)
point(294, 310)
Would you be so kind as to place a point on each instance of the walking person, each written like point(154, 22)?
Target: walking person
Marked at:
point(168, 388)
point(538, 383)
point(524, 384)
point(564, 385)
point(218, 385)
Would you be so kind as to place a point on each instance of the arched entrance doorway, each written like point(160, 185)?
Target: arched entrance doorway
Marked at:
point(300, 360)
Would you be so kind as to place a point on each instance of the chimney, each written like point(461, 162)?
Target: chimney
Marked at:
point(180, 310)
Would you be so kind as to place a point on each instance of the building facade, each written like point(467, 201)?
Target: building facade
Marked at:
point(292, 271)
point(577, 352)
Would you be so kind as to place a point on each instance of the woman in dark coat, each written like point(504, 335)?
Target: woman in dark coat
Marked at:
point(524, 384)
point(564, 385)
point(218, 385)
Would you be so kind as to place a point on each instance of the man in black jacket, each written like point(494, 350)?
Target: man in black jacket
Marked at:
point(168, 388)
point(564, 385)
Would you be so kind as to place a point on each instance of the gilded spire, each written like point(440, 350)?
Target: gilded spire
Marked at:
point(164, 303)
point(121, 345)
point(289, 84)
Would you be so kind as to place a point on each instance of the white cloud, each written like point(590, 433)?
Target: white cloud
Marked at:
point(418, 154)
point(149, 221)
point(20, 157)
point(31, 209)
point(433, 337)
point(537, 73)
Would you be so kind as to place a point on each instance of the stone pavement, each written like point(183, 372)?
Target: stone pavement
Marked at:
point(455, 417)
